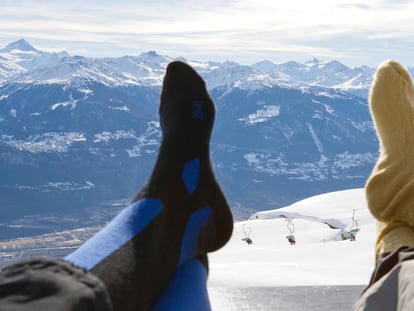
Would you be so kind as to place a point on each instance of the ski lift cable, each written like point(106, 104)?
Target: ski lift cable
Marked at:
point(246, 232)
point(341, 213)
point(290, 225)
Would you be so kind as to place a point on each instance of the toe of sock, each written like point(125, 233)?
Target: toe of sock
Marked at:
point(391, 69)
point(186, 107)
point(390, 79)
point(391, 105)
point(181, 78)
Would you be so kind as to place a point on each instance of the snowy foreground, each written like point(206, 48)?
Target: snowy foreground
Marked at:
point(320, 256)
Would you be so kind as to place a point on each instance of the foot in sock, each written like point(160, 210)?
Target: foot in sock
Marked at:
point(390, 188)
point(180, 214)
point(183, 178)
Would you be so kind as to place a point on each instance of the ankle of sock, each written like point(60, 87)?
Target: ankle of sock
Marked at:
point(392, 236)
point(390, 194)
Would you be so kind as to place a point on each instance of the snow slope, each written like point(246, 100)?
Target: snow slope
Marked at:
point(320, 256)
point(271, 274)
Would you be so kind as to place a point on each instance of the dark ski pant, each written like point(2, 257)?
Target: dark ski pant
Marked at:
point(54, 284)
point(50, 284)
point(392, 283)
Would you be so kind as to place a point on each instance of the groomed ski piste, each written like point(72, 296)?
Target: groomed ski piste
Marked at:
point(320, 256)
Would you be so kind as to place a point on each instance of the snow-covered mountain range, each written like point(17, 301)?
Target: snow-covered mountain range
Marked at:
point(79, 135)
point(22, 63)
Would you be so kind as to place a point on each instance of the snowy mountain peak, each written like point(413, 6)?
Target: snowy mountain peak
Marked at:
point(63, 54)
point(335, 66)
point(319, 64)
point(150, 54)
point(313, 61)
point(265, 66)
point(21, 45)
point(21, 62)
point(152, 57)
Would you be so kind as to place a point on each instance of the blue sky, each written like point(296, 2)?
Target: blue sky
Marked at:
point(245, 31)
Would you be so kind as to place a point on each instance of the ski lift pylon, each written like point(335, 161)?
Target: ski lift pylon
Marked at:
point(291, 227)
point(355, 226)
point(247, 233)
point(351, 232)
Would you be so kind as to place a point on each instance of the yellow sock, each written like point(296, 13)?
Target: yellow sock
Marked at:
point(390, 188)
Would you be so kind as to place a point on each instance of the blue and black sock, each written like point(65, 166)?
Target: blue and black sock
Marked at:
point(180, 214)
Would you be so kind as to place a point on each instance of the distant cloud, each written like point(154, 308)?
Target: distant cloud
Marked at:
point(241, 30)
point(362, 6)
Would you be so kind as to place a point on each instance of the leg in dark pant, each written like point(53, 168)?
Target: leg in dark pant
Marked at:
point(179, 215)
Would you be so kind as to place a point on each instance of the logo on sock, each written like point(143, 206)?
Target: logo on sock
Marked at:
point(198, 113)
point(191, 175)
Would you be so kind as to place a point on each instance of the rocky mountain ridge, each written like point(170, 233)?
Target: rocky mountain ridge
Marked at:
point(78, 136)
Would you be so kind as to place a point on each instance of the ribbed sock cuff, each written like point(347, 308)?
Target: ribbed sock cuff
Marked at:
point(392, 236)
